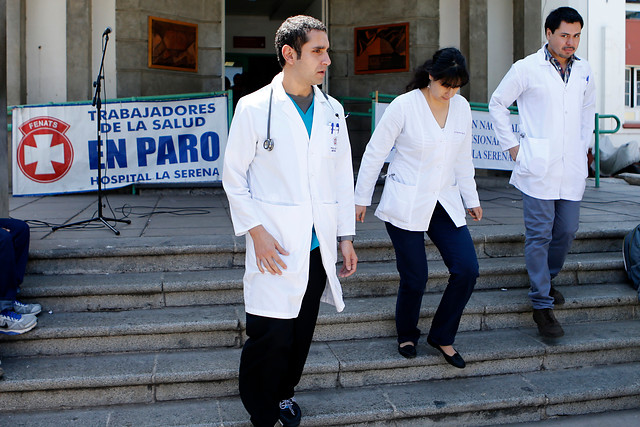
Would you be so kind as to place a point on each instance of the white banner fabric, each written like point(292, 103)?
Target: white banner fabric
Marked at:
point(55, 147)
point(487, 153)
point(486, 149)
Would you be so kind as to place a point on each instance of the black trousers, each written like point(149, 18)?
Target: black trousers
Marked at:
point(276, 350)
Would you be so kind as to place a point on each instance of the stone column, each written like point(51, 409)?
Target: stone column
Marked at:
point(473, 44)
point(4, 142)
point(79, 32)
point(527, 27)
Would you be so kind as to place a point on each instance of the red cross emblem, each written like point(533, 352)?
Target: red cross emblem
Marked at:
point(45, 154)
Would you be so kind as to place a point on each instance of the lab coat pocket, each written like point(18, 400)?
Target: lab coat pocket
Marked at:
point(286, 223)
point(397, 199)
point(534, 156)
point(280, 296)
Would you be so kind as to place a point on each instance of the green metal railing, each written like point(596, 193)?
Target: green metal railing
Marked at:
point(599, 132)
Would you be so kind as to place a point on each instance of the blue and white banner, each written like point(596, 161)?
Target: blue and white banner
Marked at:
point(487, 153)
point(55, 147)
point(486, 148)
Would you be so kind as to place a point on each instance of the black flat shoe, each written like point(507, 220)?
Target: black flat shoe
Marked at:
point(455, 360)
point(408, 351)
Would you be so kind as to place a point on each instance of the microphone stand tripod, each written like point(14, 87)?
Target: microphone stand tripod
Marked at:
point(97, 102)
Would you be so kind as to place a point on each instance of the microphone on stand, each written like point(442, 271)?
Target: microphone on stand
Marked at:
point(106, 32)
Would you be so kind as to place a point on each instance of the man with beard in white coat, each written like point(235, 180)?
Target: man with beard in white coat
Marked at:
point(289, 180)
point(555, 93)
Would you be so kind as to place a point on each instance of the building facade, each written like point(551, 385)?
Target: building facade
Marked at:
point(54, 46)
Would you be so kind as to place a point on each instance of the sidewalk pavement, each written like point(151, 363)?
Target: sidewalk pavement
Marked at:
point(184, 216)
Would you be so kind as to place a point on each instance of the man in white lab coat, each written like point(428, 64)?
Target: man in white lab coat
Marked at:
point(555, 94)
point(289, 180)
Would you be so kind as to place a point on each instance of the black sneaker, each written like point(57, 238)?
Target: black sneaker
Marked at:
point(290, 413)
point(558, 298)
point(548, 326)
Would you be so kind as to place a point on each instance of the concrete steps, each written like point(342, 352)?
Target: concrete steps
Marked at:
point(118, 291)
point(497, 399)
point(197, 253)
point(150, 334)
point(46, 383)
point(173, 328)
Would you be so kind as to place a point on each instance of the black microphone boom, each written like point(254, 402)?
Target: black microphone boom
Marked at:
point(107, 31)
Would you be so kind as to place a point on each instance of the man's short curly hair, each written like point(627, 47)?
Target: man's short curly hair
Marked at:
point(293, 32)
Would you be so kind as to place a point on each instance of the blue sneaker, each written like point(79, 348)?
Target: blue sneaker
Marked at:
point(290, 413)
point(12, 323)
point(22, 308)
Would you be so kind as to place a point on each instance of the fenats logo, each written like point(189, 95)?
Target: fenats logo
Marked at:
point(45, 154)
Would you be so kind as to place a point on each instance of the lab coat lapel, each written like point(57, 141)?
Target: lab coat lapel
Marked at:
point(429, 124)
point(285, 104)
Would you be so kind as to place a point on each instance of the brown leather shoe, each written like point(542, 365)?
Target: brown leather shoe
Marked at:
point(548, 325)
point(558, 298)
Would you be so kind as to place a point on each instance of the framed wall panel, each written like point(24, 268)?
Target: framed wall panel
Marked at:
point(381, 48)
point(173, 45)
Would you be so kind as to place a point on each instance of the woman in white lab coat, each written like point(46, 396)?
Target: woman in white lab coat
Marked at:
point(428, 184)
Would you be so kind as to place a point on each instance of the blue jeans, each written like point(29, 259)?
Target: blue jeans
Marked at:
point(14, 251)
point(459, 255)
point(551, 226)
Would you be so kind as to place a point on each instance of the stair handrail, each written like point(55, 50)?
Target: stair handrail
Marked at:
point(597, 131)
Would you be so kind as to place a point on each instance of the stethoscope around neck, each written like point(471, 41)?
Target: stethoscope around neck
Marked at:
point(268, 143)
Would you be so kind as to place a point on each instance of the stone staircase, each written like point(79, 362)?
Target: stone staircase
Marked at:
point(150, 335)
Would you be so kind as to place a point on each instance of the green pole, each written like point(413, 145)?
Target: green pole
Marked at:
point(596, 155)
point(229, 106)
point(373, 111)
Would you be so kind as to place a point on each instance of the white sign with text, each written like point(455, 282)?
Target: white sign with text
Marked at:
point(55, 147)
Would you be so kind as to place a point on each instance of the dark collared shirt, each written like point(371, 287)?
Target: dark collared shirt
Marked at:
point(563, 74)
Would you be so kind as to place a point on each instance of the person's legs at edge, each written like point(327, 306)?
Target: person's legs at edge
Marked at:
point(14, 252)
point(8, 282)
point(21, 238)
point(411, 261)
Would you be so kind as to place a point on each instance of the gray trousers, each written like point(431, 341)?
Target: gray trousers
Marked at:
point(551, 226)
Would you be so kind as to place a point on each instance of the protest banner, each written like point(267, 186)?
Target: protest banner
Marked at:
point(55, 147)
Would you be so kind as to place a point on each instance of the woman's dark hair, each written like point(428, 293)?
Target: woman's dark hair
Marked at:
point(293, 32)
point(566, 14)
point(448, 66)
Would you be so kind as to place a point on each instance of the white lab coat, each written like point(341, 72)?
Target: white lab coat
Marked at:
point(557, 122)
point(302, 182)
point(430, 165)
